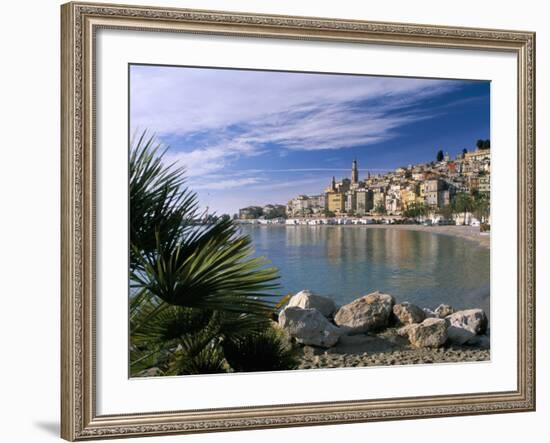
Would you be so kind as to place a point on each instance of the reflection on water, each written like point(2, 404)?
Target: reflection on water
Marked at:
point(345, 262)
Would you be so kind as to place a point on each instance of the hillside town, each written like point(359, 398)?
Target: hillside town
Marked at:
point(445, 191)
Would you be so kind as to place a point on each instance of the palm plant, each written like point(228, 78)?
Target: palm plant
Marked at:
point(268, 351)
point(174, 256)
point(463, 203)
point(194, 285)
point(415, 210)
point(197, 359)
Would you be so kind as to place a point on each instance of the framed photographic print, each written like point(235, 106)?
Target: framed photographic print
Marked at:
point(277, 221)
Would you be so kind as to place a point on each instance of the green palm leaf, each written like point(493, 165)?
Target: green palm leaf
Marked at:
point(194, 286)
point(181, 261)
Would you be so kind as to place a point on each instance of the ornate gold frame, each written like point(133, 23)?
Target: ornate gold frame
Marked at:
point(79, 23)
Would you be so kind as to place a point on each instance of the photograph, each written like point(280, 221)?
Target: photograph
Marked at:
point(288, 220)
point(285, 219)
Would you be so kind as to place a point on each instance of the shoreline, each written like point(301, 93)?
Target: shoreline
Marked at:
point(388, 349)
point(470, 233)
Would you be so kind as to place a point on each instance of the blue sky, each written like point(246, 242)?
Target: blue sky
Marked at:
point(258, 137)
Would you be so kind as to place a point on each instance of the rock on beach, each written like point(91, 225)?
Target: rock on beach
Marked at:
point(429, 313)
point(374, 330)
point(443, 310)
point(408, 313)
point(473, 320)
point(307, 300)
point(309, 327)
point(431, 333)
point(459, 336)
point(368, 313)
point(464, 326)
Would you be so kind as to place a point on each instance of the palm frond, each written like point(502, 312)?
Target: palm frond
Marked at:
point(196, 289)
point(209, 360)
point(267, 351)
point(177, 259)
point(161, 207)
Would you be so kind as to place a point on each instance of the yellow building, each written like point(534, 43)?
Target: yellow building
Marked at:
point(408, 198)
point(335, 202)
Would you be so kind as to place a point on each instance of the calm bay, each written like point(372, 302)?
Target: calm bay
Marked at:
point(346, 262)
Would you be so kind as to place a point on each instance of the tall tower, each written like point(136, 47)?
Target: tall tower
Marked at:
point(333, 184)
point(354, 172)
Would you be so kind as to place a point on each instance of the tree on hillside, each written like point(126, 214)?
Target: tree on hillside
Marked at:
point(464, 152)
point(439, 157)
point(483, 144)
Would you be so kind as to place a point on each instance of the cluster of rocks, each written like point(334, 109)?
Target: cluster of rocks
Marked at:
point(314, 320)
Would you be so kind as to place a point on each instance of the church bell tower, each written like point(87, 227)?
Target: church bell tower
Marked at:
point(354, 172)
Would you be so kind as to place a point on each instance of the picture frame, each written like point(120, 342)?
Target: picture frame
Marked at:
point(79, 400)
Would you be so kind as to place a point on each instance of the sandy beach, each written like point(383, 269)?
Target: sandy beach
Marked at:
point(387, 349)
point(394, 358)
point(466, 232)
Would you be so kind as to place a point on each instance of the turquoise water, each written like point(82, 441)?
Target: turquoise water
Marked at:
point(345, 262)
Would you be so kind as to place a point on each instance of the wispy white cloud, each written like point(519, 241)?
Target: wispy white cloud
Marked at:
point(213, 158)
point(252, 171)
point(293, 184)
point(332, 127)
point(227, 184)
point(215, 117)
point(172, 100)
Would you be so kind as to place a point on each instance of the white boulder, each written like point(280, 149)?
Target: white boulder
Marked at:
point(307, 300)
point(472, 320)
point(309, 327)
